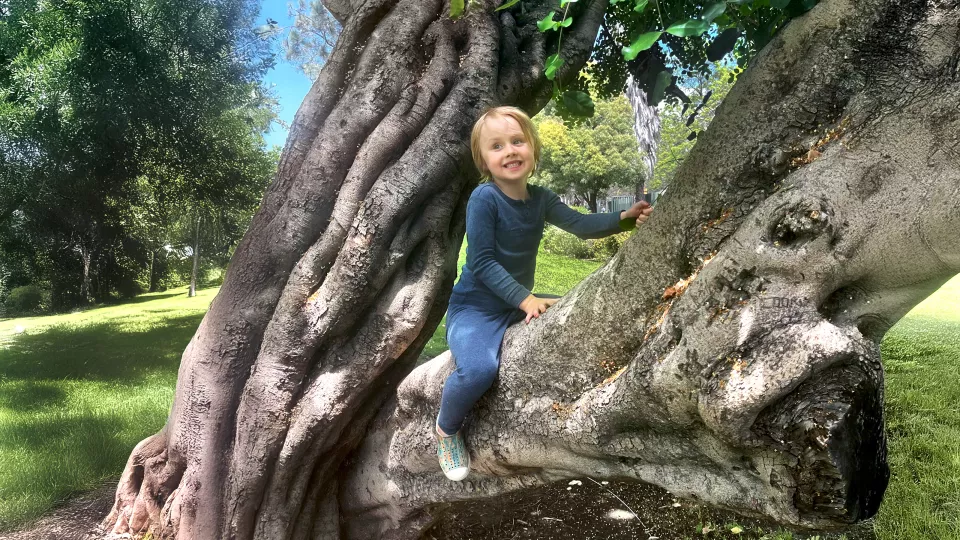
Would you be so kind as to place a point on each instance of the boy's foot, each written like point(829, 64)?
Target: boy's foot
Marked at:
point(453, 455)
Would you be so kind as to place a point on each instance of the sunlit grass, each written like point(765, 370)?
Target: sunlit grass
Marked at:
point(921, 356)
point(78, 391)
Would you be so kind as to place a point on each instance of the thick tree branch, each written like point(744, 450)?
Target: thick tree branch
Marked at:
point(751, 384)
point(340, 9)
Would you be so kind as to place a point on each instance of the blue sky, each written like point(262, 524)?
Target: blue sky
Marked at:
point(289, 84)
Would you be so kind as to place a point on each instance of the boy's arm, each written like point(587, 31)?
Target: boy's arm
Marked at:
point(583, 225)
point(481, 238)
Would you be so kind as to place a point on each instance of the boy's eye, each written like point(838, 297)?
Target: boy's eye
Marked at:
point(518, 141)
point(496, 146)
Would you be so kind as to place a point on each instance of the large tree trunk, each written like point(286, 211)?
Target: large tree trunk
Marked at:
point(344, 273)
point(728, 352)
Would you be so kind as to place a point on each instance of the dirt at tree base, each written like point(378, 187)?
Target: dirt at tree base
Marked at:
point(585, 511)
point(76, 519)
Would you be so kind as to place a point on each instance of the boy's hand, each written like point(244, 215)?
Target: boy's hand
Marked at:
point(533, 306)
point(639, 211)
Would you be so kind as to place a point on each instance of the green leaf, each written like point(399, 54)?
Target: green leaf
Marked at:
point(640, 5)
point(578, 103)
point(563, 3)
point(808, 4)
point(566, 22)
point(615, 2)
point(713, 11)
point(553, 64)
point(779, 4)
point(547, 23)
point(628, 224)
point(664, 78)
point(456, 8)
point(507, 4)
point(642, 43)
point(688, 28)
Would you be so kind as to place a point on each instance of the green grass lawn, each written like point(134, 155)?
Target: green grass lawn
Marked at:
point(921, 355)
point(78, 391)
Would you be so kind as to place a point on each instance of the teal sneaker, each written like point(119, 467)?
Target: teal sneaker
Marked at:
point(453, 455)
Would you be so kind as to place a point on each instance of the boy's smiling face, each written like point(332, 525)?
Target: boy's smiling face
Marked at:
point(505, 149)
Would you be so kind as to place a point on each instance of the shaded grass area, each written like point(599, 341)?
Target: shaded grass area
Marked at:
point(79, 391)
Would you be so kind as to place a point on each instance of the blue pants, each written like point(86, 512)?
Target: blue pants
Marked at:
point(474, 334)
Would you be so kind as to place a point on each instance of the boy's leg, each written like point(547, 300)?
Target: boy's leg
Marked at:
point(474, 338)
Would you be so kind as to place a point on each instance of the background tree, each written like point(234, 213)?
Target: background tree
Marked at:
point(111, 106)
point(312, 37)
point(680, 122)
point(742, 320)
point(589, 156)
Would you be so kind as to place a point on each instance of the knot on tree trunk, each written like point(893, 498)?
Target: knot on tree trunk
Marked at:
point(800, 222)
point(833, 426)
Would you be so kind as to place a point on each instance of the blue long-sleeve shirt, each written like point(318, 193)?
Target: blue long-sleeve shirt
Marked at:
point(503, 236)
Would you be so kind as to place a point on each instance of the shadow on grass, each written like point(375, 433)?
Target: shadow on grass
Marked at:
point(31, 395)
point(101, 351)
point(75, 399)
point(143, 298)
point(66, 456)
point(935, 335)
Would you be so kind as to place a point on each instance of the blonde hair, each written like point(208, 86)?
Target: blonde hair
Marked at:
point(526, 126)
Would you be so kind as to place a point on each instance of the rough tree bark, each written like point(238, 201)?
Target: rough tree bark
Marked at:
point(344, 273)
point(729, 352)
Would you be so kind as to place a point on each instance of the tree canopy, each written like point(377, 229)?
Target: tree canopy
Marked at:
point(311, 38)
point(590, 156)
point(660, 43)
point(116, 116)
point(680, 123)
